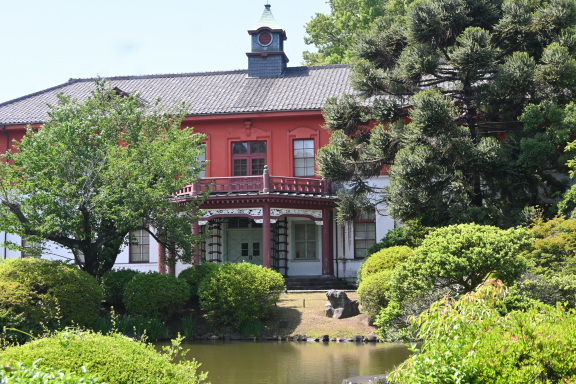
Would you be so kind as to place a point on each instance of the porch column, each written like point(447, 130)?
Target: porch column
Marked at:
point(161, 259)
point(266, 238)
point(327, 249)
point(196, 255)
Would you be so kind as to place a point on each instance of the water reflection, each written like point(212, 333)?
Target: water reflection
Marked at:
point(293, 362)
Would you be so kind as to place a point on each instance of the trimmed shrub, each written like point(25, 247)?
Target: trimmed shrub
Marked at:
point(155, 295)
point(195, 275)
point(374, 292)
point(384, 260)
point(237, 294)
point(48, 293)
point(114, 283)
point(112, 358)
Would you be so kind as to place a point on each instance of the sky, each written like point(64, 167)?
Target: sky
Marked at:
point(45, 43)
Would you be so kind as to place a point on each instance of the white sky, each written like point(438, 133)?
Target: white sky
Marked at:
point(43, 43)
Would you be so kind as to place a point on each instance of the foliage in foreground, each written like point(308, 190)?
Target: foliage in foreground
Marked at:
point(239, 294)
point(156, 295)
point(475, 340)
point(73, 183)
point(31, 374)
point(451, 261)
point(112, 358)
point(48, 293)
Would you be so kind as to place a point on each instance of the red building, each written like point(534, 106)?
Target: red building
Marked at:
point(263, 128)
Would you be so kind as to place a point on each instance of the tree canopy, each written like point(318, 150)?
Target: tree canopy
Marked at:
point(460, 91)
point(98, 170)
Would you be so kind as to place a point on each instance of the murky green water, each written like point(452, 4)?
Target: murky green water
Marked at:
point(293, 362)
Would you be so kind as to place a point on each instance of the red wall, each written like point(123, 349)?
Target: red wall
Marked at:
point(278, 129)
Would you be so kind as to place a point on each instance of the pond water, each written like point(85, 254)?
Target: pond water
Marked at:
point(293, 362)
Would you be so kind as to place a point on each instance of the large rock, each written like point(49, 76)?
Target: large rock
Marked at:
point(339, 306)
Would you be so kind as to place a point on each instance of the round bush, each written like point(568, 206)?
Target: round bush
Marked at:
point(196, 274)
point(114, 283)
point(240, 293)
point(112, 358)
point(383, 260)
point(48, 292)
point(373, 292)
point(155, 295)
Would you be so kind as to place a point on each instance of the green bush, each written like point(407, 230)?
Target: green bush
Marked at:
point(114, 283)
point(374, 292)
point(48, 293)
point(237, 294)
point(155, 295)
point(451, 261)
point(384, 260)
point(475, 340)
point(31, 374)
point(112, 358)
point(195, 275)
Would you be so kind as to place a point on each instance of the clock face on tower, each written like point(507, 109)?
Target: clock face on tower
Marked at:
point(265, 38)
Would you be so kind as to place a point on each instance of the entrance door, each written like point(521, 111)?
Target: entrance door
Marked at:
point(244, 245)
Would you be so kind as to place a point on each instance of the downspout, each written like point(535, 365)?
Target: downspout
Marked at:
point(7, 147)
point(336, 251)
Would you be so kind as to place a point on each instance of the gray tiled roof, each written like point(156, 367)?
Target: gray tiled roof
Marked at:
point(210, 93)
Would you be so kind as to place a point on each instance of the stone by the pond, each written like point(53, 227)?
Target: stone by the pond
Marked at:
point(339, 306)
point(371, 339)
point(366, 379)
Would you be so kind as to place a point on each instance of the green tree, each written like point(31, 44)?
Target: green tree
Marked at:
point(98, 170)
point(334, 34)
point(567, 206)
point(448, 84)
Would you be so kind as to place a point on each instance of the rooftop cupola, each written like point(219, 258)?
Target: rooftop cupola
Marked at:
point(267, 58)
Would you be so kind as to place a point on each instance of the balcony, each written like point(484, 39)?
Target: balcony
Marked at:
point(258, 184)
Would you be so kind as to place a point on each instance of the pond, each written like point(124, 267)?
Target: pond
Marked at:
point(293, 362)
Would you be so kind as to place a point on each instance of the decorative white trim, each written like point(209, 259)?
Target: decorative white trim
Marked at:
point(261, 221)
point(233, 211)
point(316, 213)
point(202, 222)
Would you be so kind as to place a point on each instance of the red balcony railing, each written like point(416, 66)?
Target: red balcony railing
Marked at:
point(263, 184)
